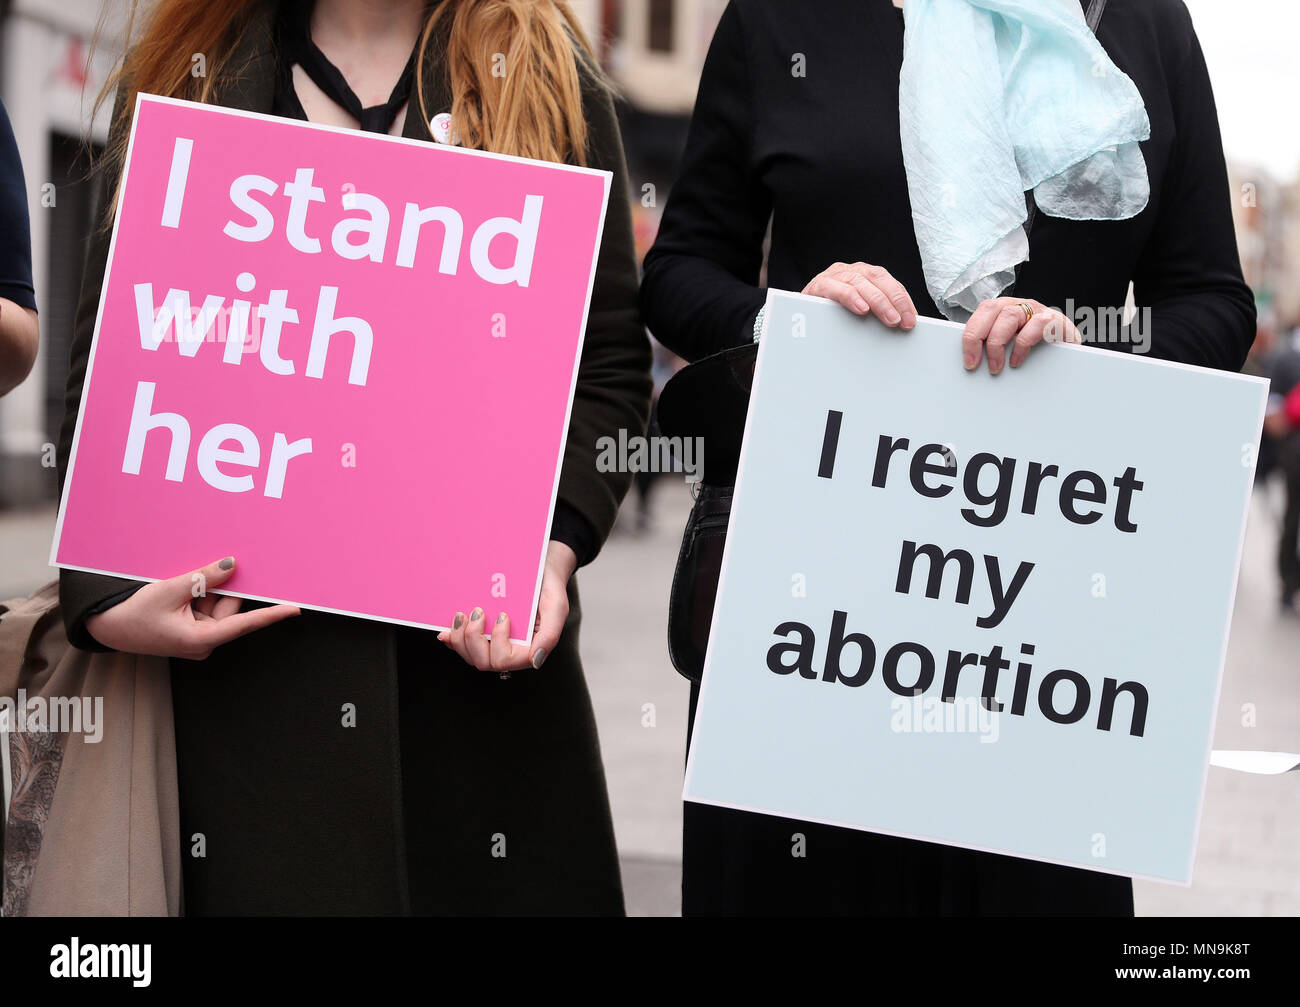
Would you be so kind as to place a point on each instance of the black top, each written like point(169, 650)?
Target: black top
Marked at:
point(294, 46)
point(15, 227)
point(820, 154)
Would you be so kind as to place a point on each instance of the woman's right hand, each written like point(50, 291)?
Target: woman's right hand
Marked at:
point(180, 617)
point(864, 288)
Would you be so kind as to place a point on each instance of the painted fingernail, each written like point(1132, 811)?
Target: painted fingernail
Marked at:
point(501, 618)
point(460, 618)
point(227, 563)
point(539, 657)
point(476, 615)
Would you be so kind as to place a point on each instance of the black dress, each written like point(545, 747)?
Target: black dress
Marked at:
point(820, 155)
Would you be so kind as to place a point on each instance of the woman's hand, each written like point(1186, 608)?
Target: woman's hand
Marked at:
point(864, 288)
point(496, 652)
point(1021, 322)
point(180, 618)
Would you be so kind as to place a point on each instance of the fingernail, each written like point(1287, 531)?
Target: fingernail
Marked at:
point(970, 361)
point(860, 305)
point(476, 615)
point(539, 657)
point(893, 317)
point(909, 319)
point(501, 618)
point(460, 618)
point(227, 563)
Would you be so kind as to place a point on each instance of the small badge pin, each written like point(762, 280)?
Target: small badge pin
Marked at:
point(440, 127)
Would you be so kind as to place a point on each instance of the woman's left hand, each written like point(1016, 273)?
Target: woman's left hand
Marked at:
point(469, 637)
point(1019, 322)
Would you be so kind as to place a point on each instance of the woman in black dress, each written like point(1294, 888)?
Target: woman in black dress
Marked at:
point(820, 156)
point(448, 790)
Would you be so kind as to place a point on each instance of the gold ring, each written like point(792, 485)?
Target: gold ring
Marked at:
point(1029, 312)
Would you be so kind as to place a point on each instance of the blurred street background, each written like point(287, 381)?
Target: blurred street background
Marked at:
point(1249, 854)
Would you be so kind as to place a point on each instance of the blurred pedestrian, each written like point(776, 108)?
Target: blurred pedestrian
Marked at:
point(1282, 436)
point(1257, 365)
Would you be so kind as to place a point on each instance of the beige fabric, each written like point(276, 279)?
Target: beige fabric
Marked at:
point(93, 826)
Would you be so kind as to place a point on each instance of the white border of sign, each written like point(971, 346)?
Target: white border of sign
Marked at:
point(450, 150)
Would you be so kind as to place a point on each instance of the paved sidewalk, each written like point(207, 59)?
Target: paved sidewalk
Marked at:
point(625, 654)
point(1248, 861)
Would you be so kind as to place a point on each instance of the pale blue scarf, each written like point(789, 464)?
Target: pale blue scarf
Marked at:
point(997, 97)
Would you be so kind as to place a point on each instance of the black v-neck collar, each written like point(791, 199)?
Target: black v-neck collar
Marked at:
point(297, 48)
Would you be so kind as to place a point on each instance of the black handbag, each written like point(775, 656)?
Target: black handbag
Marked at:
point(709, 399)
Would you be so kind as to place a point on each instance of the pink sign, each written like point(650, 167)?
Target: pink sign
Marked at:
point(347, 359)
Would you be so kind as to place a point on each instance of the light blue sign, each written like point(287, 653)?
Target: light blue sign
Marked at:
point(987, 611)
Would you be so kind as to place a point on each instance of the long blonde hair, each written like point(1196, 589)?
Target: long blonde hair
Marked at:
point(512, 66)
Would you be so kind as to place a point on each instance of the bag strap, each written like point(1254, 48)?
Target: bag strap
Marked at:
point(1095, 11)
point(1096, 8)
